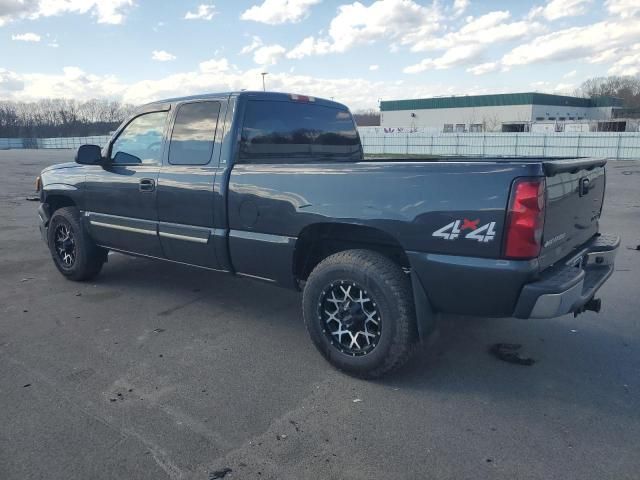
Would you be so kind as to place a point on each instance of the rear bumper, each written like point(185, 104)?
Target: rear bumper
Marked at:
point(506, 288)
point(569, 287)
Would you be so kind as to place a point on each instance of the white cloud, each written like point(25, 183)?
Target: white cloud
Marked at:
point(106, 11)
point(72, 83)
point(256, 42)
point(483, 68)
point(492, 27)
point(204, 12)
point(26, 37)
point(624, 8)
point(10, 82)
point(628, 64)
point(453, 57)
point(403, 21)
point(269, 54)
point(468, 44)
point(564, 88)
point(605, 56)
point(211, 76)
point(460, 6)
point(555, 9)
point(550, 87)
point(275, 12)
point(373, 68)
point(162, 56)
point(570, 74)
point(575, 43)
point(310, 46)
point(10, 9)
point(215, 65)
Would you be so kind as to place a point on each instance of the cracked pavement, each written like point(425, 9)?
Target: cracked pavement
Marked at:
point(156, 370)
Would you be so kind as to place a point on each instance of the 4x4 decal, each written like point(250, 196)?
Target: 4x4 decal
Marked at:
point(453, 230)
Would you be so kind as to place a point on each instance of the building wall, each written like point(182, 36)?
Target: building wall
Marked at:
point(601, 113)
point(438, 117)
point(493, 117)
point(584, 113)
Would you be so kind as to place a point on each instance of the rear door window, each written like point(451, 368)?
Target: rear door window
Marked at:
point(296, 131)
point(194, 133)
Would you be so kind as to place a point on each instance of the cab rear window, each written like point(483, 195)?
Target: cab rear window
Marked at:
point(297, 131)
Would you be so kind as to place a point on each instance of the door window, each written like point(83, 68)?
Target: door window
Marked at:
point(194, 133)
point(141, 141)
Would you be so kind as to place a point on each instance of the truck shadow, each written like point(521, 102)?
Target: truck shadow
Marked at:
point(577, 360)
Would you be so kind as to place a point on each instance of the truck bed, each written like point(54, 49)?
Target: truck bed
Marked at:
point(410, 199)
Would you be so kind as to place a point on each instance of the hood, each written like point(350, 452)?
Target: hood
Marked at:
point(60, 166)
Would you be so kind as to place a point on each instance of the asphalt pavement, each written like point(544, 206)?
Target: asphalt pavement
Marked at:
point(157, 370)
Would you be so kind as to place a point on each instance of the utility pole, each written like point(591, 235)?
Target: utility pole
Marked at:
point(263, 75)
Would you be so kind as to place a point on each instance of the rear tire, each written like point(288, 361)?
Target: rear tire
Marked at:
point(359, 311)
point(74, 253)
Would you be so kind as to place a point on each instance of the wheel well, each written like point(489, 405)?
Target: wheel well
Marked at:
point(56, 202)
point(316, 242)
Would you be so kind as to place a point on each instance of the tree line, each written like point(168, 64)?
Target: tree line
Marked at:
point(59, 117)
point(627, 88)
point(367, 118)
point(72, 118)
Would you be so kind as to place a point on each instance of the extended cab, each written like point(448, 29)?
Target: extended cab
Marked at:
point(275, 187)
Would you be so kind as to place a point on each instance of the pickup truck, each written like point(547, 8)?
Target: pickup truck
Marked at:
point(275, 187)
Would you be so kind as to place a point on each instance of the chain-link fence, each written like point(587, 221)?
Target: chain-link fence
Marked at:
point(622, 145)
point(612, 145)
point(60, 142)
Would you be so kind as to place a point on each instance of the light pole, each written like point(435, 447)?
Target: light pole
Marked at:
point(263, 75)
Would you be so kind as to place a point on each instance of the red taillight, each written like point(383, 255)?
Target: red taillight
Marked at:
point(525, 219)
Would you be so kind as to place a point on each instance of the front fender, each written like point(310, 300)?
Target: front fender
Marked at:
point(56, 187)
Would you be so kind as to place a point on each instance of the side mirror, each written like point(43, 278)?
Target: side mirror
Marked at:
point(125, 159)
point(89, 155)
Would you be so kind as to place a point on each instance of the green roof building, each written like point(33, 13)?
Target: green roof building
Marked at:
point(499, 112)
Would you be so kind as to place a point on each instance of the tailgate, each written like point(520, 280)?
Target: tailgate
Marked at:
point(575, 192)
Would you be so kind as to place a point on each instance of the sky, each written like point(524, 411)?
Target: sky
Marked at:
point(357, 53)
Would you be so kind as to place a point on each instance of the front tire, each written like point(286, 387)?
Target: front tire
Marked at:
point(74, 253)
point(359, 312)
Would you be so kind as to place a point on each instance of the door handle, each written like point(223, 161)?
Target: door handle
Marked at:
point(147, 185)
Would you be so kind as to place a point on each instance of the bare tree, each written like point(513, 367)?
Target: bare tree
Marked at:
point(626, 88)
point(367, 118)
point(55, 117)
point(491, 123)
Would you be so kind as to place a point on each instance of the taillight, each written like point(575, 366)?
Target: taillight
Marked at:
point(302, 98)
point(525, 218)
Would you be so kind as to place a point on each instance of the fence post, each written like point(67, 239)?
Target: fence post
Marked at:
point(384, 144)
point(457, 143)
point(544, 145)
point(515, 150)
point(618, 147)
point(407, 145)
point(578, 145)
point(484, 141)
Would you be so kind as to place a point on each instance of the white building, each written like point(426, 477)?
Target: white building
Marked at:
point(509, 112)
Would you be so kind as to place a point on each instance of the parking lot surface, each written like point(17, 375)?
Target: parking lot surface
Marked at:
point(156, 370)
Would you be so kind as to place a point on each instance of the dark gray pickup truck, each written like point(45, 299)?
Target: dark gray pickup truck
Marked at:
point(275, 187)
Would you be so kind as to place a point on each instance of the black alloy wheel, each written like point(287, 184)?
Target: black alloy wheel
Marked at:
point(65, 245)
point(350, 317)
